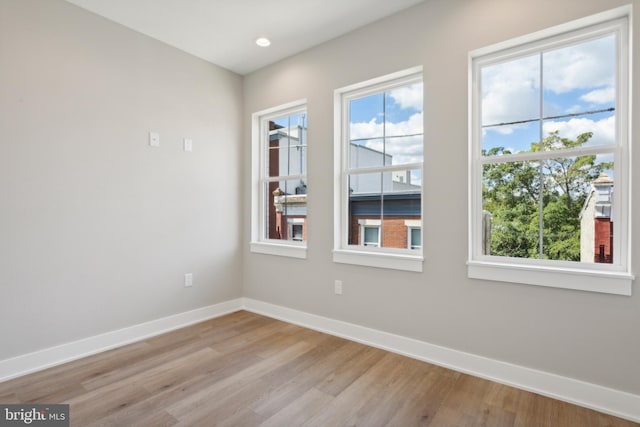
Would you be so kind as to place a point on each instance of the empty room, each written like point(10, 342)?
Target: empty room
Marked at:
point(319, 213)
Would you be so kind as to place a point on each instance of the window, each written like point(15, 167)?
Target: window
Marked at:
point(370, 232)
point(378, 164)
point(279, 171)
point(414, 234)
point(549, 181)
point(296, 229)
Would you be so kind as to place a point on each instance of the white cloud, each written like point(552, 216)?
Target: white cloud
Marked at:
point(408, 96)
point(362, 130)
point(373, 129)
point(582, 66)
point(600, 96)
point(604, 130)
point(510, 92)
point(404, 150)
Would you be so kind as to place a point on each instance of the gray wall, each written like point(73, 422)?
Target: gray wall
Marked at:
point(96, 228)
point(588, 336)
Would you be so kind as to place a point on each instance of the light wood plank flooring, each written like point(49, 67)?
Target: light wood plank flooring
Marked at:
point(248, 370)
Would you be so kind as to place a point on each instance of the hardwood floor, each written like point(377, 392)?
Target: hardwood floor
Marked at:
point(248, 370)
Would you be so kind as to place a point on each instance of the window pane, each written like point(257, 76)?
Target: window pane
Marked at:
point(583, 131)
point(416, 238)
point(574, 222)
point(404, 125)
point(510, 98)
point(510, 203)
point(371, 236)
point(577, 215)
point(297, 232)
point(402, 193)
point(366, 153)
point(580, 78)
point(365, 184)
point(386, 128)
point(516, 140)
point(400, 183)
point(403, 150)
point(580, 94)
point(365, 204)
point(366, 115)
point(287, 146)
point(286, 201)
point(403, 110)
point(391, 198)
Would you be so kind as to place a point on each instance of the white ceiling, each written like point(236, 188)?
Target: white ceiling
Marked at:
point(224, 31)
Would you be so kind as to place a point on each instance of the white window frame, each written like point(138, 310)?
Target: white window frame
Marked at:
point(413, 225)
point(259, 243)
point(393, 258)
point(605, 278)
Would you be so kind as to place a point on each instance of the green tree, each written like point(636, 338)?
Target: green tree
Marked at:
point(512, 194)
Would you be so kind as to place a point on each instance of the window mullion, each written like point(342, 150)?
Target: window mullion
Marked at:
point(540, 170)
point(381, 243)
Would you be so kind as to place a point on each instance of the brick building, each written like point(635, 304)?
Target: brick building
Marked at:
point(596, 224)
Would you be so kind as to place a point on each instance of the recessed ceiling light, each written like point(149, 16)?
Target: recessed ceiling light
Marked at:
point(263, 41)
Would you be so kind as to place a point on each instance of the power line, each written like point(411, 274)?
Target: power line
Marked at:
point(606, 110)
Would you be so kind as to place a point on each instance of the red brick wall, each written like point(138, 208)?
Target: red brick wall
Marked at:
point(394, 232)
point(603, 237)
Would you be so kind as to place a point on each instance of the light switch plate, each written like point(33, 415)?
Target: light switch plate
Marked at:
point(188, 144)
point(154, 139)
point(337, 287)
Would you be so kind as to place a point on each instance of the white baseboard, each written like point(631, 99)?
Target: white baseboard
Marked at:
point(46, 358)
point(614, 402)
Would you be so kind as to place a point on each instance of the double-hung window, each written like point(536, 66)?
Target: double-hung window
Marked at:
point(549, 157)
point(279, 171)
point(378, 172)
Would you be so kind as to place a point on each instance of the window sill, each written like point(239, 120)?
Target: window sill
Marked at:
point(609, 282)
point(279, 249)
point(379, 260)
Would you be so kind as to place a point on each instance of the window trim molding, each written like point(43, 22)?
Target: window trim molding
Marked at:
point(398, 259)
point(259, 244)
point(612, 279)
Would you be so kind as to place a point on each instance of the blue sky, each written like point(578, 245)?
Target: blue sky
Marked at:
point(575, 79)
point(363, 110)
